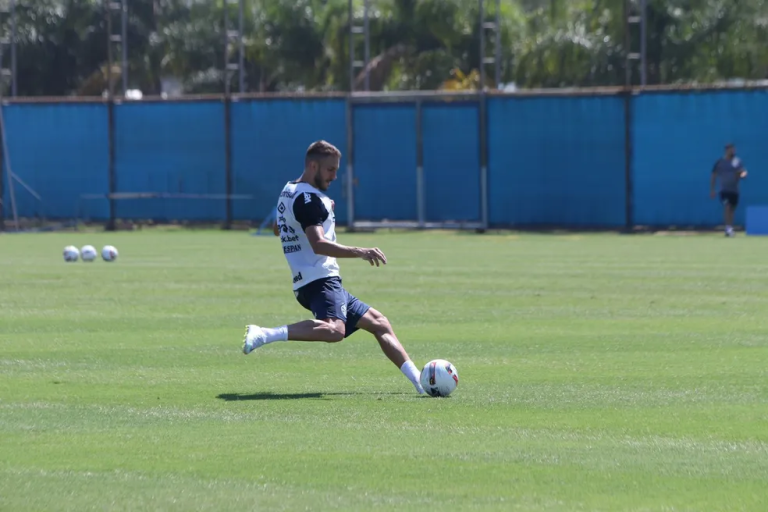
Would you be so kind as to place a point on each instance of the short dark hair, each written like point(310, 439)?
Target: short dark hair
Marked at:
point(321, 149)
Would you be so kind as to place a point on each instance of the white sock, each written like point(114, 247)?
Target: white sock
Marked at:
point(409, 370)
point(276, 334)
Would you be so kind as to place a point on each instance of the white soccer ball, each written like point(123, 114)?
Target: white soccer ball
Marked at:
point(439, 378)
point(71, 253)
point(109, 253)
point(88, 253)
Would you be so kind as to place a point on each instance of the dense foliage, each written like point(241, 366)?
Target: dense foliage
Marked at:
point(415, 44)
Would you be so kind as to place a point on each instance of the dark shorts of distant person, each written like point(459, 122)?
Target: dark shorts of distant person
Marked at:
point(326, 298)
point(730, 198)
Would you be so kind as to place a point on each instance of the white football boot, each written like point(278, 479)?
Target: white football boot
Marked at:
point(253, 339)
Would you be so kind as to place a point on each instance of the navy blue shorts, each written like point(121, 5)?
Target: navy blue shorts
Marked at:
point(730, 198)
point(327, 298)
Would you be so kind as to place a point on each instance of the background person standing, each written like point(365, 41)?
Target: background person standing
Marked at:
point(729, 170)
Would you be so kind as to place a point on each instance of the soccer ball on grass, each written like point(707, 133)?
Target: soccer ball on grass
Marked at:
point(71, 253)
point(109, 253)
point(88, 253)
point(439, 378)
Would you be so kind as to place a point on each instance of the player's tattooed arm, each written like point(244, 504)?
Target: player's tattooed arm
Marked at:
point(312, 214)
point(320, 245)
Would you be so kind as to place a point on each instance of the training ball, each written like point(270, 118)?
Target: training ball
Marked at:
point(439, 378)
point(109, 253)
point(88, 253)
point(71, 253)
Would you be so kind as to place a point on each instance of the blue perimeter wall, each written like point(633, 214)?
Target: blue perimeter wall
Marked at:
point(552, 160)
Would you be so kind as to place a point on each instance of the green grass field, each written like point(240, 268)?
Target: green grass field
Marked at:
point(598, 372)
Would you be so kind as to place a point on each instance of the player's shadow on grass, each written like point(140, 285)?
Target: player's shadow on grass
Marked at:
point(234, 397)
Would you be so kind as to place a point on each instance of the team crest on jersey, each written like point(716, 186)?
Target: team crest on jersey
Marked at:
point(281, 207)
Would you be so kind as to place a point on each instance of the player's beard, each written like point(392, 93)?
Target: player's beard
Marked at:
point(320, 183)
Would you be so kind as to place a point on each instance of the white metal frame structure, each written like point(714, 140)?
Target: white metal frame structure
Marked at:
point(234, 36)
point(8, 80)
point(636, 13)
point(355, 29)
point(8, 45)
point(117, 41)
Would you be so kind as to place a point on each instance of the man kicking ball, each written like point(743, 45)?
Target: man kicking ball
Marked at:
point(306, 225)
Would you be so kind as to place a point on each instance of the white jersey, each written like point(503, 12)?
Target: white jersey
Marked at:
point(301, 205)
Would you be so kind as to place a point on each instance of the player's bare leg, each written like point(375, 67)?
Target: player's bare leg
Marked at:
point(330, 331)
point(378, 325)
point(728, 220)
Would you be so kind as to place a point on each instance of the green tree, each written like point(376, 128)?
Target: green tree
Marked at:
point(59, 44)
point(295, 45)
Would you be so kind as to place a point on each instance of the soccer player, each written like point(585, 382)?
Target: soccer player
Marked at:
point(306, 225)
point(730, 170)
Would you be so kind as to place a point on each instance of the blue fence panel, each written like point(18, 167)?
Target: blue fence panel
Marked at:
point(552, 160)
point(385, 162)
point(174, 147)
point(556, 161)
point(451, 146)
point(677, 137)
point(61, 151)
point(269, 141)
